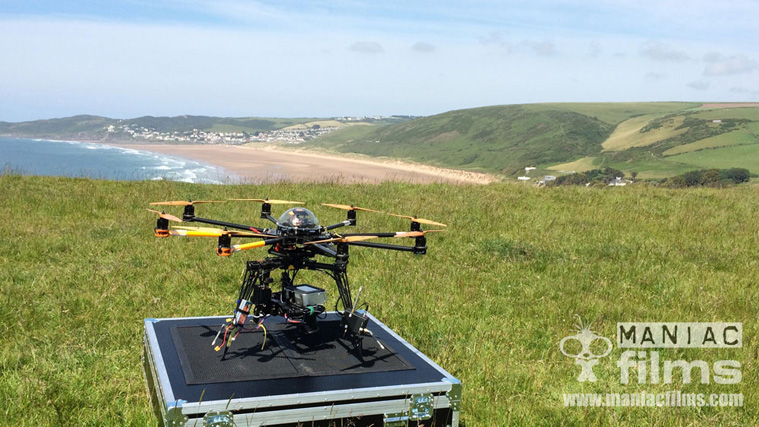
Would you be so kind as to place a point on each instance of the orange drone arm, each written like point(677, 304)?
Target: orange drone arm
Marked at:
point(224, 250)
point(246, 246)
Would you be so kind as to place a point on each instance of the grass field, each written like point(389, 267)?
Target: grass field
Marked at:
point(749, 113)
point(650, 167)
point(742, 156)
point(581, 165)
point(628, 133)
point(80, 270)
point(322, 123)
point(251, 125)
point(655, 168)
point(736, 137)
point(617, 112)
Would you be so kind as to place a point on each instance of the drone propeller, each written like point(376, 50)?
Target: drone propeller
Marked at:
point(348, 207)
point(362, 237)
point(420, 220)
point(414, 233)
point(185, 203)
point(346, 239)
point(271, 202)
point(164, 215)
point(212, 232)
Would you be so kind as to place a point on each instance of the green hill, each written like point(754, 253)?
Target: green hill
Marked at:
point(647, 138)
point(490, 138)
point(94, 127)
point(490, 302)
point(69, 127)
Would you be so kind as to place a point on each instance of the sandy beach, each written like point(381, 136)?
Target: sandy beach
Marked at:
point(273, 164)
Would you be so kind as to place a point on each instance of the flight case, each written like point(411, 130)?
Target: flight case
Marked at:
point(277, 376)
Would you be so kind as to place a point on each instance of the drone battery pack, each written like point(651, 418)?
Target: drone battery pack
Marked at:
point(280, 377)
point(306, 295)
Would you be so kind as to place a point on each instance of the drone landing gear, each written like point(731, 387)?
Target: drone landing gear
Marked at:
point(354, 325)
point(300, 304)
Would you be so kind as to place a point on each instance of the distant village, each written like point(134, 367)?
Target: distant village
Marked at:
point(291, 135)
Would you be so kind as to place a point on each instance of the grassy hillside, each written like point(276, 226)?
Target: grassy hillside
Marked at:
point(80, 270)
point(93, 127)
point(71, 127)
point(487, 139)
point(616, 112)
point(502, 139)
point(634, 132)
point(632, 137)
point(655, 145)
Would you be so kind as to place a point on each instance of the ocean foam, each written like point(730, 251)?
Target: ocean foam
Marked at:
point(129, 164)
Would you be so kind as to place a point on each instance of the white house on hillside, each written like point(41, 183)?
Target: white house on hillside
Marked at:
point(617, 182)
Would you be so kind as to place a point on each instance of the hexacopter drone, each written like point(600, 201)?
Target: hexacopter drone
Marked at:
point(295, 242)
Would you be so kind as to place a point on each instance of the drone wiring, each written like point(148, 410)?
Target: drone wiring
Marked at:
point(261, 325)
point(288, 320)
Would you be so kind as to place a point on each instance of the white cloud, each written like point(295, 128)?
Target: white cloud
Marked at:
point(494, 38)
point(655, 76)
point(661, 52)
point(366, 47)
point(422, 47)
point(719, 65)
point(543, 48)
point(699, 85)
point(595, 49)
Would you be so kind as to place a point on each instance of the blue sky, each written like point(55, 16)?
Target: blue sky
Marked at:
point(287, 58)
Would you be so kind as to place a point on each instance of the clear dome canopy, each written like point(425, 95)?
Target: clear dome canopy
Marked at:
point(298, 218)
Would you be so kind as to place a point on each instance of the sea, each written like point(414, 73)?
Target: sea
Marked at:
point(98, 161)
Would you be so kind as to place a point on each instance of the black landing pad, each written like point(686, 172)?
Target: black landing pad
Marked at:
point(288, 363)
point(283, 351)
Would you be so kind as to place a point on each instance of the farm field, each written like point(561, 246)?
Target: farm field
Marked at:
point(737, 137)
point(748, 112)
point(490, 302)
point(742, 156)
point(581, 165)
point(630, 133)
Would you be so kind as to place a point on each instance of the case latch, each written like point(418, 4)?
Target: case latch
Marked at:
point(219, 419)
point(174, 416)
point(454, 394)
point(419, 410)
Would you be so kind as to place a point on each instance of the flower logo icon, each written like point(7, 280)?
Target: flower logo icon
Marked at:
point(585, 357)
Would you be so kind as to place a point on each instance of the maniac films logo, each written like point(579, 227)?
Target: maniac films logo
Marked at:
point(647, 367)
point(642, 362)
point(586, 357)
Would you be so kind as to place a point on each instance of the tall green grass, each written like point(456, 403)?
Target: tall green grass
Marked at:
point(80, 270)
